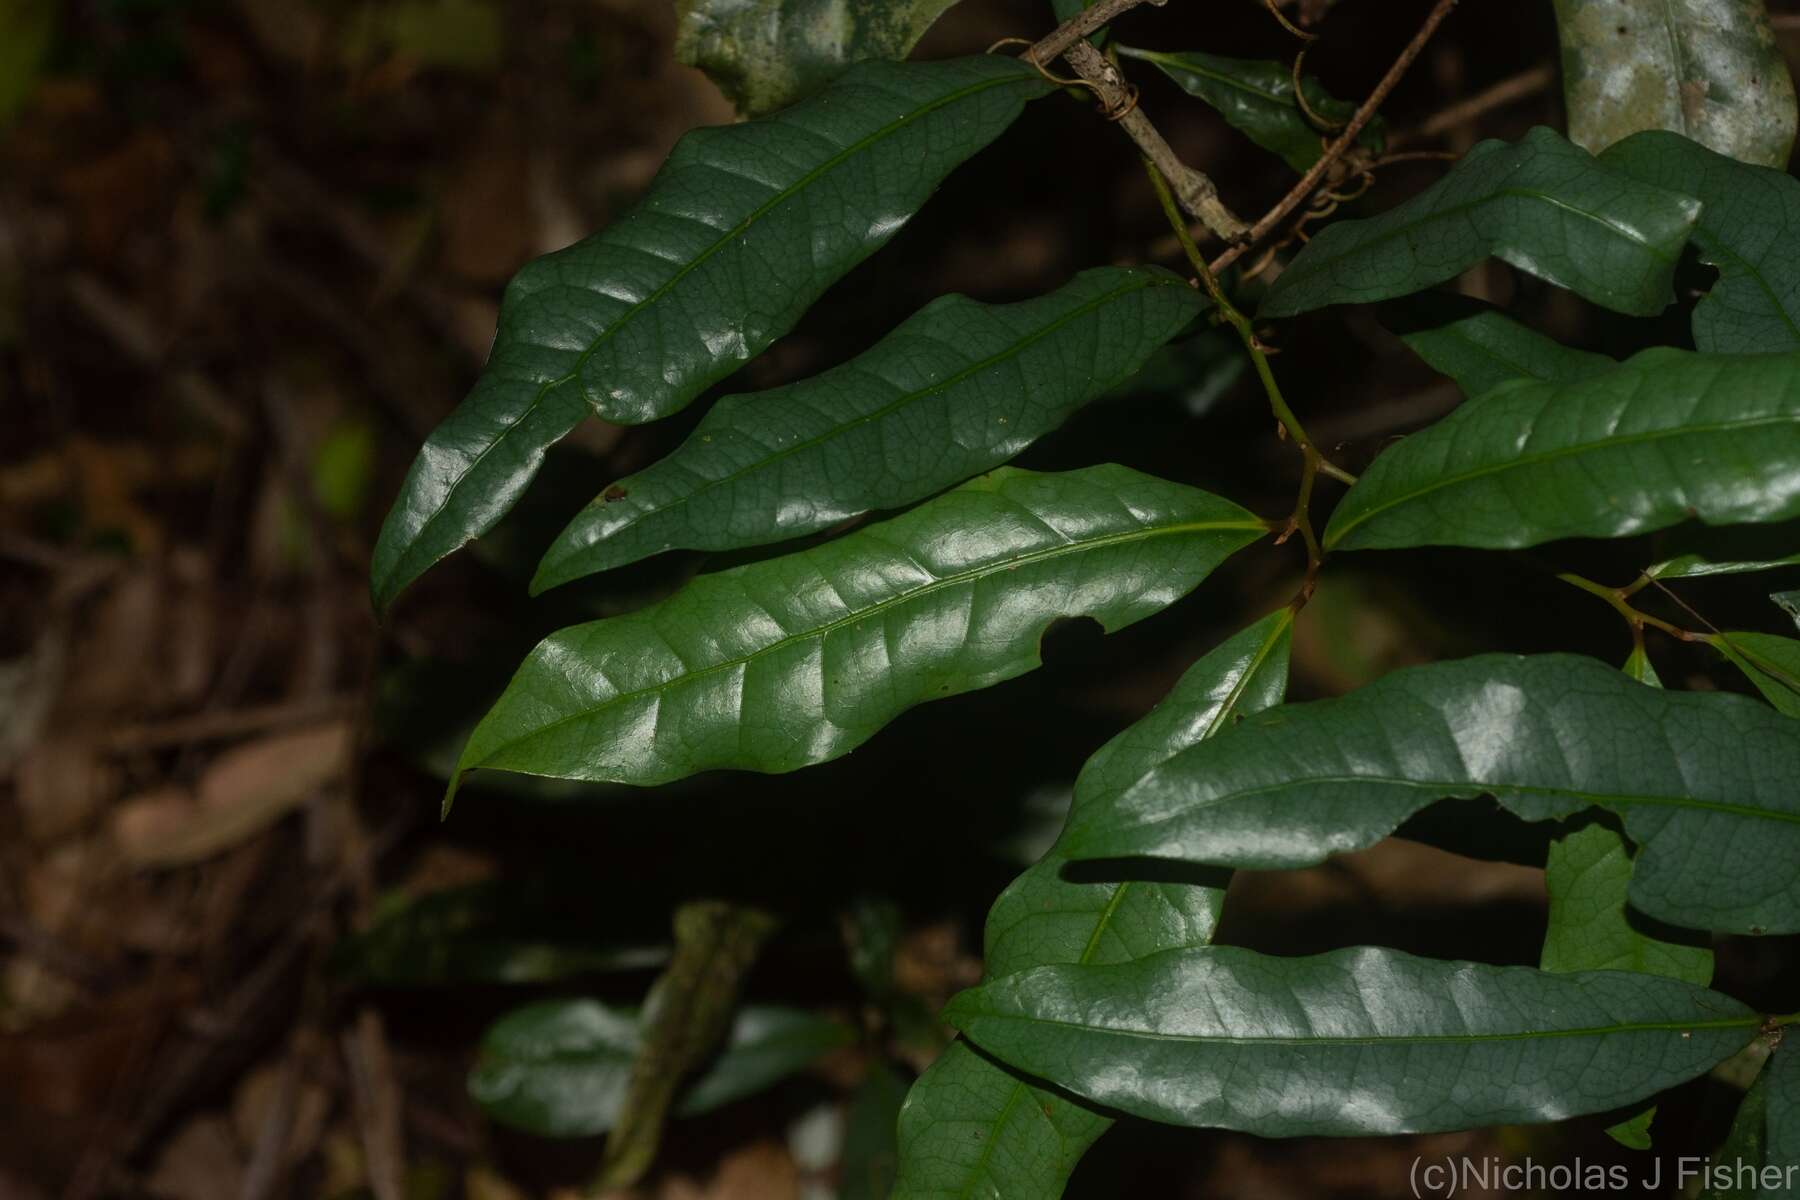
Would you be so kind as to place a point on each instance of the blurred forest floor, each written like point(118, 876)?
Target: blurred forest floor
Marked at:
point(250, 253)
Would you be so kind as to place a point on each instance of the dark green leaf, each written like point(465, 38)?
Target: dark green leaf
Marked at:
point(560, 1068)
point(1781, 1141)
point(1743, 1143)
point(959, 388)
point(870, 1154)
point(1695, 566)
point(796, 660)
point(1749, 223)
point(689, 1012)
point(1542, 205)
point(501, 931)
point(766, 54)
point(1359, 1041)
point(1771, 663)
point(742, 229)
point(1710, 69)
point(1664, 437)
point(972, 1127)
point(1701, 781)
point(1256, 96)
point(1481, 347)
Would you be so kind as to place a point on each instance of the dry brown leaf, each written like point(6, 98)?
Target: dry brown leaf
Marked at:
point(246, 790)
point(760, 1171)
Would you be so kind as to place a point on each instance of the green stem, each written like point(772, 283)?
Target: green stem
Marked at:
point(1313, 463)
point(1635, 618)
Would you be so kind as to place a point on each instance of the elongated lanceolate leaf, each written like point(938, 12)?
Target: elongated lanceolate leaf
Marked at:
point(1771, 663)
point(795, 660)
point(1743, 1143)
point(959, 388)
point(1543, 205)
point(1664, 437)
point(742, 229)
point(560, 1068)
point(972, 1127)
point(1256, 96)
point(766, 54)
point(1749, 227)
point(1696, 566)
point(1481, 347)
point(1710, 69)
point(1703, 782)
point(1359, 1041)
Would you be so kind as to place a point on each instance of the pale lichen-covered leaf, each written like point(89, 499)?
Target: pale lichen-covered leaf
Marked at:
point(766, 54)
point(1709, 69)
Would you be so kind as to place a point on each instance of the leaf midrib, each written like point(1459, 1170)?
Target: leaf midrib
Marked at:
point(1542, 456)
point(1623, 232)
point(1451, 788)
point(1749, 1021)
point(687, 268)
point(1014, 350)
point(998, 566)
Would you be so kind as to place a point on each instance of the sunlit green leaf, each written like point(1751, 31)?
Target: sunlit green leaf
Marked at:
point(1664, 437)
point(1701, 781)
point(959, 388)
point(1771, 663)
point(1257, 97)
point(742, 229)
point(974, 1128)
point(1543, 205)
point(1710, 69)
point(798, 659)
point(1695, 566)
point(1359, 1041)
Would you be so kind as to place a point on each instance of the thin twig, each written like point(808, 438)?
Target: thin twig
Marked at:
point(1299, 193)
point(1522, 86)
point(1198, 197)
point(1077, 28)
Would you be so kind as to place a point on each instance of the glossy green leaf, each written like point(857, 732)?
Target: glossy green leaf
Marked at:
point(766, 54)
point(1749, 223)
point(1743, 1145)
point(1543, 205)
point(1789, 603)
point(1696, 566)
point(959, 388)
point(1665, 437)
point(1358, 1041)
point(742, 229)
point(501, 931)
point(1587, 874)
point(560, 1068)
point(1710, 69)
point(798, 659)
point(971, 1127)
point(1256, 96)
point(1771, 663)
point(1481, 347)
point(1701, 781)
